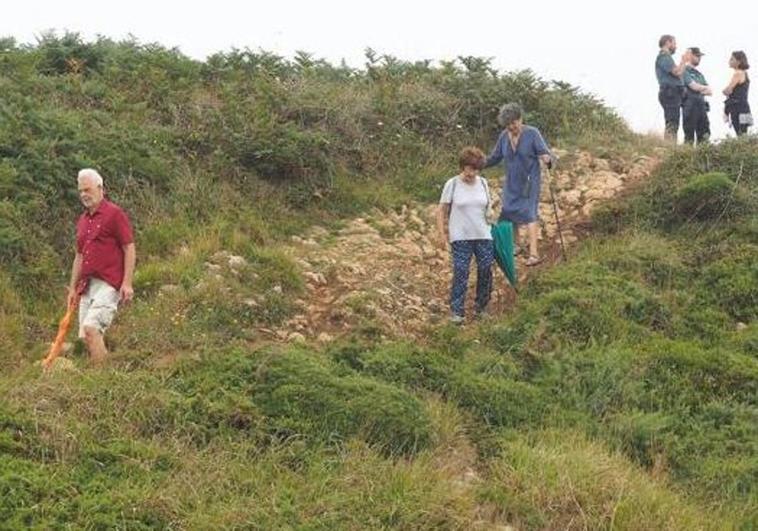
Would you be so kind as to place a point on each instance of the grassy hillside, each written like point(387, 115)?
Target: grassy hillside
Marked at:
point(619, 393)
point(231, 154)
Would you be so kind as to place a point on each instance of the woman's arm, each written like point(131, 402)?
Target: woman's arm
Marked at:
point(443, 213)
point(737, 79)
point(497, 153)
point(541, 148)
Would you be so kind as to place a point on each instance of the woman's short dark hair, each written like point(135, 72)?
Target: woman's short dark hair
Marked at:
point(741, 59)
point(473, 157)
point(509, 113)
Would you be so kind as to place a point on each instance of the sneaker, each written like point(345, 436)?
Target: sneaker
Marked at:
point(479, 315)
point(456, 319)
point(534, 260)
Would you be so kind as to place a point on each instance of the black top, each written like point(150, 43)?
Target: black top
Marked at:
point(737, 100)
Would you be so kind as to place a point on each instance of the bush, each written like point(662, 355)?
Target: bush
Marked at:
point(304, 397)
point(706, 196)
point(494, 400)
point(732, 283)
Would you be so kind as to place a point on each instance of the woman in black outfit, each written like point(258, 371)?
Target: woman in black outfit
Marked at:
point(736, 106)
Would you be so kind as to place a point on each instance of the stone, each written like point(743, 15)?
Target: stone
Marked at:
point(60, 364)
point(598, 194)
point(212, 267)
point(167, 289)
point(318, 232)
point(602, 165)
point(571, 197)
point(741, 326)
point(220, 256)
point(317, 279)
point(323, 337)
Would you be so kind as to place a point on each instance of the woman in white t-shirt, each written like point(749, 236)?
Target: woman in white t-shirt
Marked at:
point(463, 207)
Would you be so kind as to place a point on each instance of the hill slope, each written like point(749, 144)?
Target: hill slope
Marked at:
point(618, 391)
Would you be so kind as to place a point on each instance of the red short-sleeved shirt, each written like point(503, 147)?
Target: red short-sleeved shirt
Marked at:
point(100, 239)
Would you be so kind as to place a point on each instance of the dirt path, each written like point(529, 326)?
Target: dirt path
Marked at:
point(383, 272)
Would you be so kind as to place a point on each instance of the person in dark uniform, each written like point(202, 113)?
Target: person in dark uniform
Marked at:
point(695, 107)
point(671, 86)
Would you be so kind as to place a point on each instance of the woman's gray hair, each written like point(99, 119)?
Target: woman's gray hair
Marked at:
point(509, 113)
point(89, 173)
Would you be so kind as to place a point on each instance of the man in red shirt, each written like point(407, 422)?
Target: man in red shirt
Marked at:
point(103, 268)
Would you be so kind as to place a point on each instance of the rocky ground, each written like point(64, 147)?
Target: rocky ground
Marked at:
point(384, 272)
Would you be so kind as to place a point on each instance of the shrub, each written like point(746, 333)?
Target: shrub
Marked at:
point(706, 196)
point(732, 282)
point(304, 397)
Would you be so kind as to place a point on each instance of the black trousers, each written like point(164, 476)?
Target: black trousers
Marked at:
point(670, 98)
point(695, 120)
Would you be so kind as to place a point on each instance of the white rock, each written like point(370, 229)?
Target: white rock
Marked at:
point(571, 197)
point(168, 288)
point(296, 337)
point(317, 279)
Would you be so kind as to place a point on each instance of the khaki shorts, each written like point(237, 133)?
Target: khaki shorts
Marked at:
point(98, 306)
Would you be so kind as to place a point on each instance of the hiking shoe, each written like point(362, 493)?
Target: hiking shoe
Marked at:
point(456, 319)
point(480, 315)
point(534, 260)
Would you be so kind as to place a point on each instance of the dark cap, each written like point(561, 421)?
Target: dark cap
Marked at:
point(694, 50)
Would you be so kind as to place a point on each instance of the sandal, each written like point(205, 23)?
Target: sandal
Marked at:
point(533, 260)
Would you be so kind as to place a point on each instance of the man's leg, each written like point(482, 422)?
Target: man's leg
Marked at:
point(462, 251)
point(671, 100)
point(95, 345)
point(98, 307)
point(690, 119)
point(485, 255)
point(703, 127)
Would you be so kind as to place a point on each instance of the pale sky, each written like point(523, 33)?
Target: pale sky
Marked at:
point(605, 48)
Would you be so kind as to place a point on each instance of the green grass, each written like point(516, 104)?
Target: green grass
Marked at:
point(619, 392)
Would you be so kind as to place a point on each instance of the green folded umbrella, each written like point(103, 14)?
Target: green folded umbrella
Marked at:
point(502, 238)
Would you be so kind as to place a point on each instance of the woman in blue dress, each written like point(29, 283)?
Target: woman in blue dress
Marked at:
point(521, 148)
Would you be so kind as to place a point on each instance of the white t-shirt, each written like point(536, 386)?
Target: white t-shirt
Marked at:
point(468, 212)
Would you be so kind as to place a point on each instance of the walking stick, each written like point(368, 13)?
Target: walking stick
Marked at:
point(57, 345)
point(555, 209)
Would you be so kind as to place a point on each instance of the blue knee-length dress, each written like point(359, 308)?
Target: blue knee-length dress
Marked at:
point(523, 175)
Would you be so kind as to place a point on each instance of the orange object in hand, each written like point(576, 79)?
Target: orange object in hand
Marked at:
point(57, 345)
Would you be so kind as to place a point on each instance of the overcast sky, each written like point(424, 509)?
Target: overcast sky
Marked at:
point(605, 47)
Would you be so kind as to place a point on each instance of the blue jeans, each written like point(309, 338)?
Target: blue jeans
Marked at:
point(462, 251)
